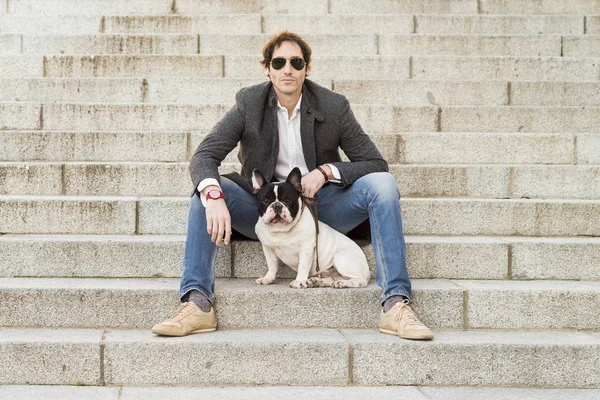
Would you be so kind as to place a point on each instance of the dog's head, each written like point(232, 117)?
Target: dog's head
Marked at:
point(280, 202)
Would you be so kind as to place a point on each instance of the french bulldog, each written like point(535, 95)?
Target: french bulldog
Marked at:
point(287, 232)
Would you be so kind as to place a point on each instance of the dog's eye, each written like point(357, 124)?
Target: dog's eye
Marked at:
point(265, 201)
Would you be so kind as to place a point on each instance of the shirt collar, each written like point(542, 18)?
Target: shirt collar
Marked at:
point(282, 108)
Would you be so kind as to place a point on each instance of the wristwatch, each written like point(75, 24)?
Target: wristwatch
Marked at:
point(214, 195)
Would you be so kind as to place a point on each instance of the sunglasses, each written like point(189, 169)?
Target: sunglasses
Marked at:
point(279, 62)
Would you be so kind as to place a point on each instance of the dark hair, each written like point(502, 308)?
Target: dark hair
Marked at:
point(278, 39)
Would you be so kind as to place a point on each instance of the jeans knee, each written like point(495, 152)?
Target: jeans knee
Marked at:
point(382, 186)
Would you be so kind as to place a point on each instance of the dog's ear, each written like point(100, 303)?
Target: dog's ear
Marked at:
point(295, 178)
point(258, 180)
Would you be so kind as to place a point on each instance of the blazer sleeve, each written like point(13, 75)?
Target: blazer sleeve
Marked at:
point(358, 146)
point(220, 141)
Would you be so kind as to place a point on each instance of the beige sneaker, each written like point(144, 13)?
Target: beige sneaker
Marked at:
point(186, 320)
point(402, 321)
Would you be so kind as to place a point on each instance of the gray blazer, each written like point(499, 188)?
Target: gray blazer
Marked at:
point(327, 124)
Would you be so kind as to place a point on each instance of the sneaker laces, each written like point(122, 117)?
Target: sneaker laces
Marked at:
point(180, 313)
point(407, 312)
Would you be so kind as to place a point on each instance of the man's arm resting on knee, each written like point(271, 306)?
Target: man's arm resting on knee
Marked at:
point(218, 219)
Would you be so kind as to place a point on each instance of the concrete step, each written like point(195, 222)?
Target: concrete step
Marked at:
point(424, 92)
point(505, 68)
point(189, 24)
point(560, 69)
point(520, 119)
point(288, 357)
point(593, 24)
point(476, 45)
point(79, 7)
point(127, 90)
point(50, 90)
point(338, 67)
point(404, 6)
point(428, 257)
point(168, 216)
point(402, 148)
point(17, 392)
point(20, 116)
point(50, 24)
point(515, 358)
point(332, 45)
point(50, 357)
point(115, 7)
point(373, 118)
point(27, 24)
point(346, 45)
point(164, 90)
point(581, 46)
point(499, 24)
point(498, 148)
point(111, 44)
point(332, 23)
point(554, 93)
point(20, 66)
point(387, 24)
point(104, 256)
point(239, 303)
point(436, 68)
point(427, 217)
point(10, 44)
point(539, 7)
point(58, 392)
point(556, 182)
point(133, 66)
point(62, 214)
point(167, 146)
point(172, 179)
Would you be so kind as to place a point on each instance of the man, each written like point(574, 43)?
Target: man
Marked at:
point(281, 124)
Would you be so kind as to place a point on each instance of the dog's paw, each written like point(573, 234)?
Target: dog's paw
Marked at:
point(315, 281)
point(264, 281)
point(301, 284)
point(338, 284)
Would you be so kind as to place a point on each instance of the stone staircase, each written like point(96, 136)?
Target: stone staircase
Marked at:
point(488, 112)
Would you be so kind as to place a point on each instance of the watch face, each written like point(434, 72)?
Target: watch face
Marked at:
point(214, 194)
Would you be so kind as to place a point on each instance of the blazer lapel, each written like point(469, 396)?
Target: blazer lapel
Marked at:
point(308, 114)
point(271, 133)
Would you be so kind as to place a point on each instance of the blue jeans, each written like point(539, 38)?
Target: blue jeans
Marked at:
point(374, 196)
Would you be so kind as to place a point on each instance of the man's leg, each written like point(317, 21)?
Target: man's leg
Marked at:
point(376, 196)
point(196, 314)
point(200, 251)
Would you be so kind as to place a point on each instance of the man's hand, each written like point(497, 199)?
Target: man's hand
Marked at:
point(314, 180)
point(218, 220)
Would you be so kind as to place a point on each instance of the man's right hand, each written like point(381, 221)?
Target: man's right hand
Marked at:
point(218, 220)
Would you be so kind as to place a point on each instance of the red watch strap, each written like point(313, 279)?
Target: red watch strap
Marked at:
point(209, 197)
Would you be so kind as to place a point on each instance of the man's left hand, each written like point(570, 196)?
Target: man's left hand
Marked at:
point(314, 180)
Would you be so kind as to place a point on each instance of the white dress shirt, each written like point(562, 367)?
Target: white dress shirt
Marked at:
point(290, 153)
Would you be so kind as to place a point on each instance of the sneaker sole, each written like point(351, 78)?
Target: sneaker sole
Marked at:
point(165, 333)
point(404, 337)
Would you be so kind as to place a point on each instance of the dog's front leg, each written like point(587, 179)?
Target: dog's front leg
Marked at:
point(272, 262)
point(305, 261)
